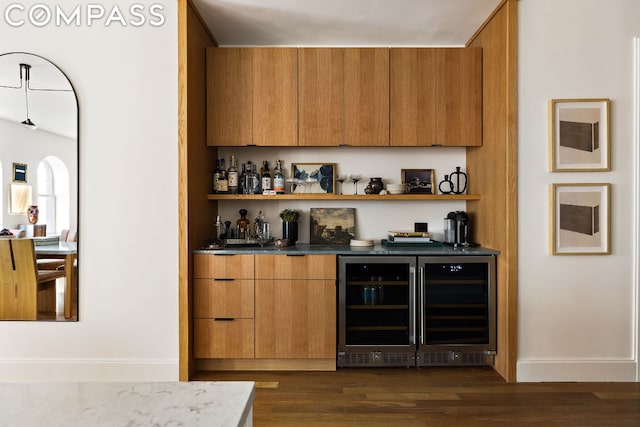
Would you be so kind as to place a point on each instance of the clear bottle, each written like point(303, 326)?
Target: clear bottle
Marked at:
point(223, 182)
point(255, 181)
point(242, 180)
point(248, 179)
point(232, 175)
point(278, 178)
point(265, 177)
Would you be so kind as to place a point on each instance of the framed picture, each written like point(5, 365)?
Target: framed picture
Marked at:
point(332, 225)
point(19, 172)
point(419, 180)
point(580, 219)
point(579, 135)
point(313, 177)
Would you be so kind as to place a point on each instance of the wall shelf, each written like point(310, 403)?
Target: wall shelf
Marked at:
point(360, 197)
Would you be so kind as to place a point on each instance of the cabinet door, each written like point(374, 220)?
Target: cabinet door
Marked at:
point(366, 96)
point(275, 96)
point(458, 96)
point(229, 298)
point(412, 102)
point(295, 319)
point(229, 96)
point(321, 97)
point(224, 339)
point(296, 267)
point(232, 266)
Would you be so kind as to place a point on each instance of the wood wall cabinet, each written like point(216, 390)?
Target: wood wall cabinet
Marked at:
point(436, 96)
point(296, 306)
point(366, 96)
point(224, 306)
point(343, 96)
point(252, 96)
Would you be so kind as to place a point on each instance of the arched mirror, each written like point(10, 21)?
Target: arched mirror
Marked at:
point(39, 181)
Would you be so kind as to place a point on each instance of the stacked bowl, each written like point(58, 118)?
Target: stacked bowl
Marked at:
point(396, 188)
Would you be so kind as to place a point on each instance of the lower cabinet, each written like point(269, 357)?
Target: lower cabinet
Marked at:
point(264, 312)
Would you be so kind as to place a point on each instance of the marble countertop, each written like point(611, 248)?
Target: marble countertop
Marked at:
point(190, 404)
point(378, 249)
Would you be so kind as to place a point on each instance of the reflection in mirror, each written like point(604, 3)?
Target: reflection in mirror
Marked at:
point(39, 162)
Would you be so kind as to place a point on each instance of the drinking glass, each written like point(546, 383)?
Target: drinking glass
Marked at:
point(341, 179)
point(355, 177)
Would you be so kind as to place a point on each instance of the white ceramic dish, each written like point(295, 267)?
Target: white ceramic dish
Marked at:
point(361, 242)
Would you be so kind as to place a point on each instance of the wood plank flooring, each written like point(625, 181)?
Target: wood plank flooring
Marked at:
point(451, 396)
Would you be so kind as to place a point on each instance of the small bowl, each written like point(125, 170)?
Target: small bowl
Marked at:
point(282, 243)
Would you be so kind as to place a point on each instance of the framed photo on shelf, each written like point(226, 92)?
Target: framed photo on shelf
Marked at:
point(419, 181)
point(580, 219)
point(579, 135)
point(313, 178)
point(20, 173)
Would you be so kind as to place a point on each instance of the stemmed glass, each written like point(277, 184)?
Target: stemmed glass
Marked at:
point(355, 177)
point(341, 179)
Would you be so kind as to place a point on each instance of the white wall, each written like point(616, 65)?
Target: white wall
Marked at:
point(126, 82)
point(41, 144)
point(576, 314)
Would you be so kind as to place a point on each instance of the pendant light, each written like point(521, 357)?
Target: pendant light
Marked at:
point(26, 68)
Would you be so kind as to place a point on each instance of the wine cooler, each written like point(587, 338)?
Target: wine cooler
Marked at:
point(416, 311)
point(376, 311)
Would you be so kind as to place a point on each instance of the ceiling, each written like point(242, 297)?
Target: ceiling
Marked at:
point(344, 22)
point(52, 111)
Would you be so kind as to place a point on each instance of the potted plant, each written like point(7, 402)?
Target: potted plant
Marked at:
point(290, 224)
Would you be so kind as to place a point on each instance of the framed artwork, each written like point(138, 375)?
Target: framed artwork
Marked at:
point(20, 172)
point(580, 219)
point(332, 225)
point(419, 180)
point(313, 177)
point(580, 135)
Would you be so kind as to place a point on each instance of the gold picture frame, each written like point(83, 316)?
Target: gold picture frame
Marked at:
point(580, 135)
point(313, 178)
point(419, 181)
point(580, 219)
point(20, 173)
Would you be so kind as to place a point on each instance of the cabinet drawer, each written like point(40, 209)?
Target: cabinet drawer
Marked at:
point(231, 339)
point(296, 267)
point(231, 266)
point(223, 298)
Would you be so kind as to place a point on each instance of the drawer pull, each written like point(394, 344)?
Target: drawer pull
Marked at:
point(295, 254)
point(224, 319)
point(223, 279)
point(223, 254)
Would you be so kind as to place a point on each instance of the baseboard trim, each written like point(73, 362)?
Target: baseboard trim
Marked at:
point(76, 370)
point(577, 370)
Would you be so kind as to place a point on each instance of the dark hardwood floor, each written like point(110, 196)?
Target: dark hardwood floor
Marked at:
point(452, 396)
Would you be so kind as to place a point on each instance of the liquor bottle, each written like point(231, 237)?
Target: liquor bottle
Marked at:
point(223, 182)
point(265, 178)
point(214, 177)
point(278, 178)
point(248, 179)
point(255, 180)
point(242, 224)
point(242, 180)
point(232, 175)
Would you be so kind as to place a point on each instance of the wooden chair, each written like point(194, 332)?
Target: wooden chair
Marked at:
point(58, 264)
point(24, 290)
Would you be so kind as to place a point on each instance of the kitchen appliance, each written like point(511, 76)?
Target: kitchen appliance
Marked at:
point(456, 229)
point(416, 311)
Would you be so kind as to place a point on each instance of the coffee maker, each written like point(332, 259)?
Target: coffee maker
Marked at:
point(456, 229)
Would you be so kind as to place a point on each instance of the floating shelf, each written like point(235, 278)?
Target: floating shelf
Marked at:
point(360, 197)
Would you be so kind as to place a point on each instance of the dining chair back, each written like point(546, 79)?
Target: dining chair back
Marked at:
point(24, 289)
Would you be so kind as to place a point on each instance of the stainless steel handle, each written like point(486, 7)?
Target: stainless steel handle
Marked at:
point(412, 304)
point(421, 285)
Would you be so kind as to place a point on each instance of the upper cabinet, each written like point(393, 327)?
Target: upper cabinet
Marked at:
point(252, 96)
point(344, 96)
point(436, 96)
point(366, 96)
point(321, 96)
point(275, 96)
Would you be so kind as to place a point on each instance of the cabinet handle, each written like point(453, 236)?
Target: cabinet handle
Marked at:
point(295, 254)
point(421, 280)
point(223, 279)
point(224, 319)
point(223, 254)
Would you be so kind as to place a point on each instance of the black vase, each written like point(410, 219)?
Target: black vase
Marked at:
point(290, 231)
